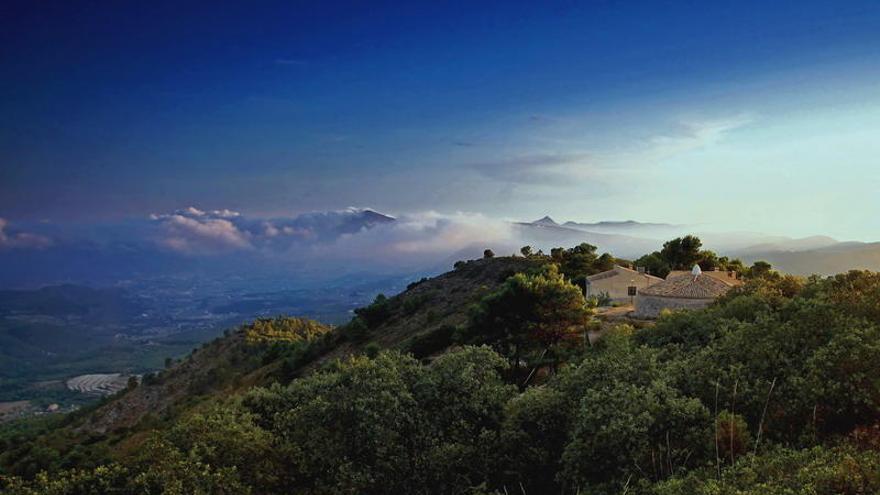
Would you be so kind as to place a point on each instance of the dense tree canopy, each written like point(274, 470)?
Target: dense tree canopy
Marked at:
point(581, 261)
point(682, 253)
point(530, 315)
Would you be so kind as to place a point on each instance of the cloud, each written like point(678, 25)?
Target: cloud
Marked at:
point(195, 231)
point(21, 240)
point(426, 233)
point(356, 238)
point(193, 212)
point(690, 135)
point(547, 169)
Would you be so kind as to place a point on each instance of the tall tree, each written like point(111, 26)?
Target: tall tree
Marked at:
point(530, 314)
point(682, 252)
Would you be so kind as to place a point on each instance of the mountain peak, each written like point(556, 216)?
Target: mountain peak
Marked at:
point(376, 216)
point(545, 221)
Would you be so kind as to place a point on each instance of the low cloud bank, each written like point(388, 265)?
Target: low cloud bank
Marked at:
point(21, 240)
point(344, 236)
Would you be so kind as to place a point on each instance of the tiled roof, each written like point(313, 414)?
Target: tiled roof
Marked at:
point(724, 276)
point(621, 270)
point(688, 287)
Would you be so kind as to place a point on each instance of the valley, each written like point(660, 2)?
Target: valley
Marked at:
point(59, 339)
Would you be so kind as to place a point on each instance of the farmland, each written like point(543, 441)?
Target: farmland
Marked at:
point(98, 383)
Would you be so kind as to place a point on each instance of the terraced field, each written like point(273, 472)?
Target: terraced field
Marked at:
point(99, 383)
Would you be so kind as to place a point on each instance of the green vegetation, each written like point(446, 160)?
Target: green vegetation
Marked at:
point(284, 330)
point(529, 317)
point(774, 389)
point(683, 253)
point(581, 261)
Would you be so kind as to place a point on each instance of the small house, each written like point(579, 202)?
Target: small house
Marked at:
point(619, 283)
point(689, 290)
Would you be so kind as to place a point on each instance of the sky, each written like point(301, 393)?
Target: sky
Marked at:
point(759, 116)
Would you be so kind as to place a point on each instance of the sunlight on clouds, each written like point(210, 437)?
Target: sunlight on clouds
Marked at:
point(21, 240)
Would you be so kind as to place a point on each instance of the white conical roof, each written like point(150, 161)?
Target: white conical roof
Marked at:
point(696, 271)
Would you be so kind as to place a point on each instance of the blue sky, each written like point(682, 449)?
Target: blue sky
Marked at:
point(736, 115)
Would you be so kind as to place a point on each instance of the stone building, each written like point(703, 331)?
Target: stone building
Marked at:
point(620, 283)
point(691, 290)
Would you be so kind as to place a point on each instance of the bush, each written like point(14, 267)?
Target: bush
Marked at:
point(376, 313)
point(413, 303)
point(412, 285)
point(432, 342)
point(372, 350)
point(283, 330)
point(357, 330)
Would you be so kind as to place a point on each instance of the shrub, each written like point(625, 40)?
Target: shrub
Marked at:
point(432, 342)
point(376, 313)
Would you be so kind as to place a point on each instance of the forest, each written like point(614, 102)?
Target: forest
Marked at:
point(775, 389)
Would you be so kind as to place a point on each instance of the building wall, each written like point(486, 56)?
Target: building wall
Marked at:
point(651, 306)
point(617, 286)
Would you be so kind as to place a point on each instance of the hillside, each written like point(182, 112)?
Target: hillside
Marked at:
point(206, 370)
point(781, 372)
point(433, 307)
point(286, 405)
point(429, 308)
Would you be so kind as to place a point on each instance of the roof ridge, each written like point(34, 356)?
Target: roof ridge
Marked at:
point(688, 287)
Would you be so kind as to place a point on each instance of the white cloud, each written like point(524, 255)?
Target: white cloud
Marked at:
point(426, 233)
point(201, 233)
point(550, 168)
point(21, 240)
point(343, 236)
point(695, 134)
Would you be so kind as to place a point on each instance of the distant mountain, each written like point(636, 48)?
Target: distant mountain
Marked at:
point(802, 244)
point(308, 249)
point(828, 260)
point(545, 221)
point(546, 236)
point(326, 226)
point(621, 227)
point(345, 222)
point(630, 239)
point(624, 224)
